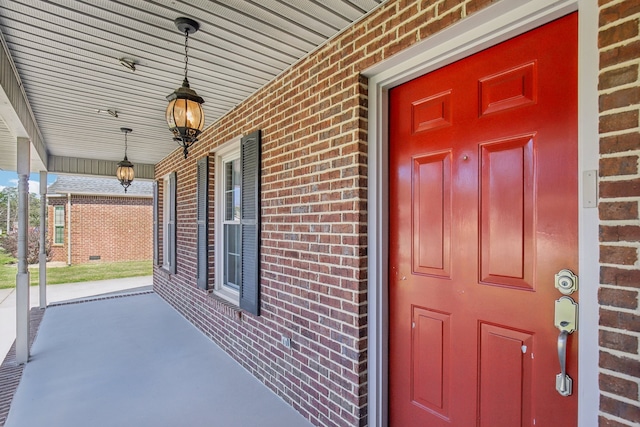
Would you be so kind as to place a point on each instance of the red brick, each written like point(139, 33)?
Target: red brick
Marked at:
point(618, 11)
point(618, 298)
point(620, 320)
point(622, 255)
point(618, 121)
point(476, 5)
point(618, 210)
point(619, 99)
point(619, 233)
point(620, 54)
point(620, 143)
point(620, 409)
point(606, 422)
point(618, 77)
point(618, 341)
point(627, 188)
point(620, 277)
point(619, 386)
point(626, 30)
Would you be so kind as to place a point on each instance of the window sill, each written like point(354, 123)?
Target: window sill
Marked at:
point(164, 271)
point(227, 307)
point(231, 297)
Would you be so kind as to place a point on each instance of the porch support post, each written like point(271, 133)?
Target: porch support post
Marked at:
point(22, 278)
point(43, 239)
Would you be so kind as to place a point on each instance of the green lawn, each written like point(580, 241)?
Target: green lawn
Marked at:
point(74, 273)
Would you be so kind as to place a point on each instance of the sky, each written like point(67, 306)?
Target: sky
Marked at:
point(10, 179)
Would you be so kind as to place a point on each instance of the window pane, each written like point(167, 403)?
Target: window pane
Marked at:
point(232, 256)
point(59, 235)
point(228, 190)
point(236, 189)
point(58, 218)
point(232, 176)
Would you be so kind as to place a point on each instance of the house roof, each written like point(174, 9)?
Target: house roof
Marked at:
point(99, 186)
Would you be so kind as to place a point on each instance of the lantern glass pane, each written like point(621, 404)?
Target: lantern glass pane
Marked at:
point(169, 114)
point(194, 116)
point(125, 173)
point(176, 113)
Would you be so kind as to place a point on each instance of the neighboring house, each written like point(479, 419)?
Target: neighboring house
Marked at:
point(94, 220)
point(387, 247)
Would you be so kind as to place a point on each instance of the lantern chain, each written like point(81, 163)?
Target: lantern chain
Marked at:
point(186, 52)
point(125, 146)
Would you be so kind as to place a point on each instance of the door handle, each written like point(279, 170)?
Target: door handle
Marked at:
point(566, 320)
point(564, 383)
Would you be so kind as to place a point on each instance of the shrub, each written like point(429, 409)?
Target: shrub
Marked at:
point(10, 244)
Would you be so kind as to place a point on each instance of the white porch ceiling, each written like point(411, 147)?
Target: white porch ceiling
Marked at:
point(66, 53)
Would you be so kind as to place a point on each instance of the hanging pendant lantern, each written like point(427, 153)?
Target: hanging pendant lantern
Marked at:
point(124, 173)
point(185, 116)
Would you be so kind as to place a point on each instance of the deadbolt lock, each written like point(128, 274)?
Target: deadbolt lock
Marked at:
point(566, 282)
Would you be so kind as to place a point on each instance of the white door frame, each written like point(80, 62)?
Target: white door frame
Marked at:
point(498, 22)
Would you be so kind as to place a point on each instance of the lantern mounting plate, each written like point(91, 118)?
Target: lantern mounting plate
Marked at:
point(126, 130)
point(186, 25)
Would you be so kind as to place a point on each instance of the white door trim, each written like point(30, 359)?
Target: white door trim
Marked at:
point(498, 22)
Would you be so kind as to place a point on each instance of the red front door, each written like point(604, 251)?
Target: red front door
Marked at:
point(483, 214)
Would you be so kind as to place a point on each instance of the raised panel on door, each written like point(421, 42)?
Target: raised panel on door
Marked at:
point(505, 376)
point(431, 202)
point(506, 212)
point(430, 357)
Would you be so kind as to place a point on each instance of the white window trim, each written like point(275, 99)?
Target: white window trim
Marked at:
point(494, 24)
point(227, 151)
point(57, 224)
point(165, 222)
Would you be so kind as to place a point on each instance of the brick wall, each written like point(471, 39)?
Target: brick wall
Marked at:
point(314, 218)
point(619, 88)
point(113, 228)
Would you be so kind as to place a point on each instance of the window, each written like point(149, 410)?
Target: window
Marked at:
point(229, 180)
point(58, 225)
point(169, 223)
point(238, 222)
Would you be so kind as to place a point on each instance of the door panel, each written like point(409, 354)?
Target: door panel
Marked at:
point(505, 376)
point(506, 220)
point(430, 361)
point(431, 201)
point(483, 214)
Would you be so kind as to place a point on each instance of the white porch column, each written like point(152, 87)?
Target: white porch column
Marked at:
point(22, 278)
point(43, 239)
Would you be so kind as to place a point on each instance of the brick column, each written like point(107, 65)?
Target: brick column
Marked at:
point(619, 104)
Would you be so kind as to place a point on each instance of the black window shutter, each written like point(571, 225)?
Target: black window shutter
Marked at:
point(201, 218)
point(173, 196)
point(250, 223)
point(156, 249)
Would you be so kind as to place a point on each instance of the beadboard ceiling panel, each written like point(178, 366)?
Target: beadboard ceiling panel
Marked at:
point(67, 56)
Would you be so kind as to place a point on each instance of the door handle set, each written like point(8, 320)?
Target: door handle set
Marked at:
point(566, 320)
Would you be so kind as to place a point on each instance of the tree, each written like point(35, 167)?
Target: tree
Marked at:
point(9, 242)
point(9, 196)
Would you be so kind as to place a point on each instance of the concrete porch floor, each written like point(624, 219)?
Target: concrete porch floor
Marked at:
point(134, 361)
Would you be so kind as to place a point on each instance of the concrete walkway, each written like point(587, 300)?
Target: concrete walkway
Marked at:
point(58, 293)
point(134, 361)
